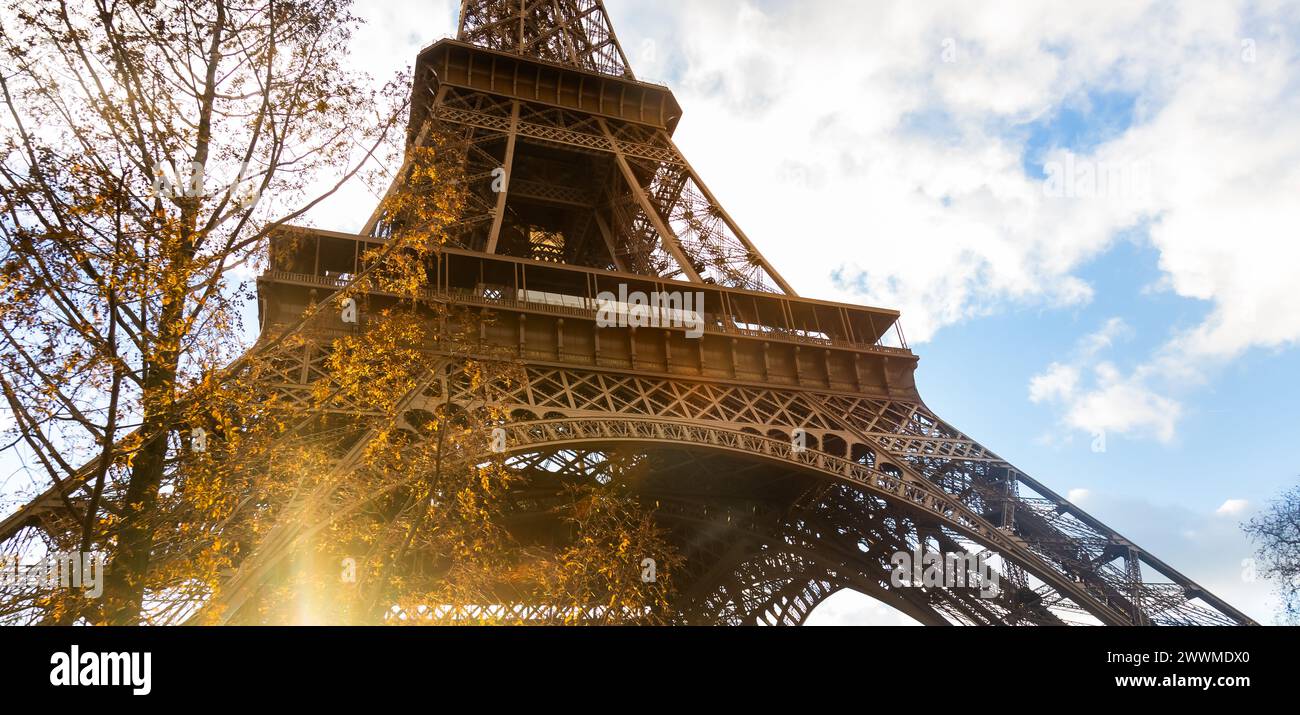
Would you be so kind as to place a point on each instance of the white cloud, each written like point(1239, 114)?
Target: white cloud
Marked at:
point(837, 136)
point(1059, 383)
point(1229, 148)
point(901, 178)
point(1232, 507)
point(1114, 329)
point(1120, 404)
point(1107, 401)
point(1077, 496)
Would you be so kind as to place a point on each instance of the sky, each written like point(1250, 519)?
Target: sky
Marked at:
point(1086, 212)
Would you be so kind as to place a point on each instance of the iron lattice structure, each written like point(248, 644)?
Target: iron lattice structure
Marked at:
point(597, 197)
point(573, 32)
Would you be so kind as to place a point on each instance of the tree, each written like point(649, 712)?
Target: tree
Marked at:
point(414, 505)
point(1276, 534)
point(147, 151)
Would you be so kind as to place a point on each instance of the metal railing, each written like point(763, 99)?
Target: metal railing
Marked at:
point(465, 296)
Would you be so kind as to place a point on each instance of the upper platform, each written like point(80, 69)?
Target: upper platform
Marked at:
point(550, 313)
point(459, 64)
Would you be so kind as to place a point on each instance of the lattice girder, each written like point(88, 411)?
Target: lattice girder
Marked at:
point(553, 391)
point(573, 32)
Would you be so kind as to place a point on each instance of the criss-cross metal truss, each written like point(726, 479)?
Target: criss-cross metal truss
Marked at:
point(573, 150)
point(570, 32)
point(594, 194)
point(894, 476)
point(637, 205)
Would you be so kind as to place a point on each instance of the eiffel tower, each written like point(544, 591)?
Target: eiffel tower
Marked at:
point(785, 446)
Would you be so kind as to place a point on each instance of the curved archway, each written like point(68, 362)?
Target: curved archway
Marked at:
point(887, 481)
point(835, 445)
point(862, 454)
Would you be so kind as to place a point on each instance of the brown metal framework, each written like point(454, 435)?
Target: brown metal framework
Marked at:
point(572, 32)
point(542, 90)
